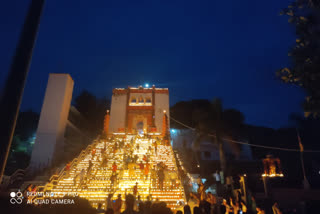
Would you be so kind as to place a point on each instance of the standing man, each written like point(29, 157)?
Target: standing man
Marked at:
point(113, 179)
point(135, 189)
point(154, 176)
point(82, 174)
point(225, 207)
point(193, 202)
point(93, 153)
point(212, 200)
point(114, 167)
point(100, 210)
point(146, 170)
point(109, 201)
point(141, 166)
point(67, 168)
point(117, 205)
point(89, 167)
point(161, 177)
point(155, 147)
point(202, 192)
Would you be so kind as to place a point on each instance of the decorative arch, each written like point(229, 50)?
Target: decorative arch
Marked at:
point(141, 100)
point(133, 100)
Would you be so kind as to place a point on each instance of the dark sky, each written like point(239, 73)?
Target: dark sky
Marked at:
point(198, 49)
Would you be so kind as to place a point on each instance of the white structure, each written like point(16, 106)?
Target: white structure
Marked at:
point(135, 110)
point(53, 121)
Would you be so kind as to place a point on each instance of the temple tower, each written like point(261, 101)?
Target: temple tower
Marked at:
point(138, 110)
point(53, 120)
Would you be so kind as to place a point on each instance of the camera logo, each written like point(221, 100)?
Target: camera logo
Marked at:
point(16, 197)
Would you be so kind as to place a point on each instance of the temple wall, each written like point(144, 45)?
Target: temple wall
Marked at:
point(161, 103)
point(118, 112)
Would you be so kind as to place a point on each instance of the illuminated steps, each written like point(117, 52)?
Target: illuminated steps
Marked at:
point(98, 185)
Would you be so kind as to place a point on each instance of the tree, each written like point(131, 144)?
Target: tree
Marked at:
point(188, 112)
point(27, 124)
point(93, 109)
point(209, 118)
point(218, 125)
point(22, 141)
point(223, 123)
point(233, 118)
point(305, 54)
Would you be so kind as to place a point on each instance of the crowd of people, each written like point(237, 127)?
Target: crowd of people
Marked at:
point(205, 202)
point(129, 162)
point(158, 172)
point(200, 202)
point(208, 205)
point(134, 205)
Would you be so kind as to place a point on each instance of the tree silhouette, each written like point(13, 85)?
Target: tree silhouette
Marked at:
point(209, 118)
point(218, 126)
point(93, 109)
point(22, 141)
point(305, 54)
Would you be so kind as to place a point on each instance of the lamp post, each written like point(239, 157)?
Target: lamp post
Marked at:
point(306, 184)
point(265, 187)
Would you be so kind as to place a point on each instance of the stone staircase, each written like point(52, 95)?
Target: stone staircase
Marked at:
point(98, 184)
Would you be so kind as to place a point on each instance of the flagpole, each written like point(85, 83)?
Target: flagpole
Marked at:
point(306, 184)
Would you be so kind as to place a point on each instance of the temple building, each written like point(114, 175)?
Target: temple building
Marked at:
point(138, 110)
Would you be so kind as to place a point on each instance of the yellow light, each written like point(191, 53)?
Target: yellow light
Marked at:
point(98, 186)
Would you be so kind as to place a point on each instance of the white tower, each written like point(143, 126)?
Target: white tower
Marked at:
point(53, 120)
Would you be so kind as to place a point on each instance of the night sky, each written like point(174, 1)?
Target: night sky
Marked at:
point(198, 49)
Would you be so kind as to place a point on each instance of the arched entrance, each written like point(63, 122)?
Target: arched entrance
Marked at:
point(139, 124)
point(139, 127)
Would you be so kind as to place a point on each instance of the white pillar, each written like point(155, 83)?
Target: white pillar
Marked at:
point(53, 120)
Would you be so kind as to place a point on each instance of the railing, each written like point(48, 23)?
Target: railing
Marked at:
point(54, 179)
point(175, 164)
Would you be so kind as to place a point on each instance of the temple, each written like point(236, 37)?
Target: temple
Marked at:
point(138, 110)
point(134, 156)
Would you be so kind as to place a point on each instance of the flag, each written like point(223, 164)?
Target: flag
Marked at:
point(300, 144)
point(106, 122)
